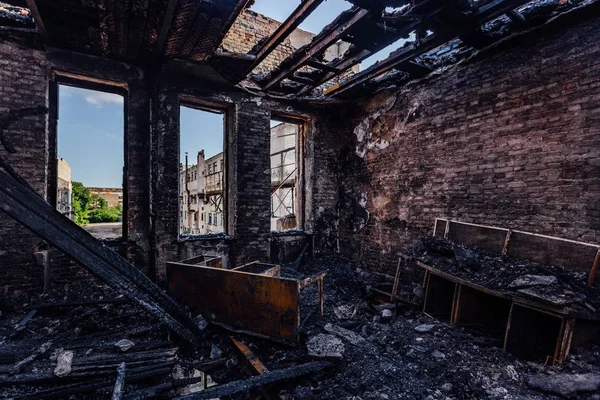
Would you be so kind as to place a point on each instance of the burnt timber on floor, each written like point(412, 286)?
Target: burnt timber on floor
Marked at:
point(28, 208)
point(251, 298)
point(529, 328)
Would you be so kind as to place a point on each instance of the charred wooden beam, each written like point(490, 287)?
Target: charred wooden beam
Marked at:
point(323, 41)
point(29, 209)
point(28, 360)
point(37, 18)
point(301, 79)
point(322, 66)
point(484, 13)
point(397, 58)
point(119, 383)
point(517, 17)
point(285, 29)
point(352, 60)
point(240, 6)
point(256, 382)
point(159, 50)
point(257, 367)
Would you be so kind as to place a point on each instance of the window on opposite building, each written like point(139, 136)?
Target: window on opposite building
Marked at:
point(202, 134)
point(286, 174)
point(90, 146)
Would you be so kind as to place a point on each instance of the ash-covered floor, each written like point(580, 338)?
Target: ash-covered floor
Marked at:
point(378, 350)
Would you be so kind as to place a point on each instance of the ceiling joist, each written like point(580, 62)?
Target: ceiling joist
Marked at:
point(37, 18)
point(319, 45)
point(285, 29)
point(448, 33)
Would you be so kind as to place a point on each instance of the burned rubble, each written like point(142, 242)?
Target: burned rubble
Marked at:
point(198, 201)
point(552, 284)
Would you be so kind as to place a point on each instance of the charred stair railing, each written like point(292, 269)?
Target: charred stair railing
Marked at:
point(32, 211)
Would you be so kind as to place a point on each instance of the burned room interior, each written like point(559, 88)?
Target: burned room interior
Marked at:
point(359, 199)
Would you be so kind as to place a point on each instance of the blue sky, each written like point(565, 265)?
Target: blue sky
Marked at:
point(200, 130)
point(280, 9)
point(90, 136)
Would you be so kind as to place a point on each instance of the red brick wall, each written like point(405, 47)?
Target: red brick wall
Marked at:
point(245, 33)
point(511, 139)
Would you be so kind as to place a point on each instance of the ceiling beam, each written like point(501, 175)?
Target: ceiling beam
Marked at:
point(347, 63)
point(399, 57)
point(239, 7)
point(323, 41)
point(517, 17)
point(314, 63)
point(37, 18)
point(159, 50)
point(285, 29)
point(485, 13)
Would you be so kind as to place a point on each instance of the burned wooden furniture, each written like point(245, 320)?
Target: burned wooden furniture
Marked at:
point(529, 327)
point(252, 298)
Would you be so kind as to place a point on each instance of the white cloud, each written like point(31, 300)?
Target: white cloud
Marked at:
point(100, 98)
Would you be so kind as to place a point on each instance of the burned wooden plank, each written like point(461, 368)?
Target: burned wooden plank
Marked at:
point(257, 367)
point(255, 382)
point(32, 211)
point(26, 361)
point(117, 393)
point(37, 18)
point(549, 250)
point(159, 50)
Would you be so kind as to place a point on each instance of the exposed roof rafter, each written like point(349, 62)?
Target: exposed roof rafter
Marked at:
point(285, 29)
point(37, 18)
point(485, 13)
point(322, 42)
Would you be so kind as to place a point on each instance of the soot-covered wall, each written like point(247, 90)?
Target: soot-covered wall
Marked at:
point(510, 138)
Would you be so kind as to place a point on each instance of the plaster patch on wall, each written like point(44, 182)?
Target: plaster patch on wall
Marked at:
point(364, 132)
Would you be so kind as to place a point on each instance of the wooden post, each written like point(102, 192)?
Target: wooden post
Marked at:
point(321, 295)
point(506, 242)
point(594, 269)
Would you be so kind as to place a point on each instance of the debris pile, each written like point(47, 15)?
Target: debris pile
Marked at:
point(63, 344)
point(553, 285)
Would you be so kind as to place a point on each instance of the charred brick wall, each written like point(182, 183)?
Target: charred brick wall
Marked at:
point(22, 84)
point(510, 138)
point(25, 79)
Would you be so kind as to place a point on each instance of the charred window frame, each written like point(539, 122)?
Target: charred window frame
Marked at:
point(300, 187)
point(226, 112)
point(84, 82)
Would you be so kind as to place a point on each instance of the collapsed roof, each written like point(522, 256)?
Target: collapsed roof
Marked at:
point(428, 34)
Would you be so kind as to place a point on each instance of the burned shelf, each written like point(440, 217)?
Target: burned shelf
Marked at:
point(535, 311)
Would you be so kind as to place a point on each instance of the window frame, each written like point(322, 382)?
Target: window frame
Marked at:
point(58, 78)
point(226, 112)
point(300, 188)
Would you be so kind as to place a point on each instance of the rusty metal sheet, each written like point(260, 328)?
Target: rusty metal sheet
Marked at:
point(264, 305)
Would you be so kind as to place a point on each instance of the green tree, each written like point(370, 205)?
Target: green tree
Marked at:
point(80, 201)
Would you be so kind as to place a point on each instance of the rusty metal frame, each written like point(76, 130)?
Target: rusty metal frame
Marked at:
point(251, 299)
